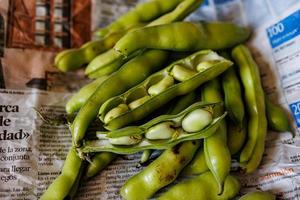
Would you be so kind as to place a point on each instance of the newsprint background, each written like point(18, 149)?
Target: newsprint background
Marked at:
point(33, 31)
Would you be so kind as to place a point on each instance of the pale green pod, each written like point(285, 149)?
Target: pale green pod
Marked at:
point(196, 120)
point(160, 131)
point(182, 73)
point(126, 140)
point(138, 102)
point(161, 86)
point(115, 112)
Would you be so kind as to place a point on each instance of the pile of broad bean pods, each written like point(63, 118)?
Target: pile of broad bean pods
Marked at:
point(159, 84)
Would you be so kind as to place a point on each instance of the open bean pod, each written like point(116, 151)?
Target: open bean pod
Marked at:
point(179, 78)
point(195, 122)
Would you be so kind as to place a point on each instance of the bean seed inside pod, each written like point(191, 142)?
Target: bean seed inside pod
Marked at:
point(115, 112)
point(196, 120)
point(126, 140)
point(181, 73)
point(161, 86)
point(138, 102)
point(160, 131)
point(205, 65)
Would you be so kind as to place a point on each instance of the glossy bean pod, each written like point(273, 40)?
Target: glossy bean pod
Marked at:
point(217, 154)
point(159, 173)
point(60, 188)
point(80, 98)
point(258, 195)
point(236, 136)
point(202, 187)
point(73, 59)
point(183, 36)
point(166, 130)
point(110, 61)
point(142, 13)
point(253, 150)
point(217, 66)
point(115, 84)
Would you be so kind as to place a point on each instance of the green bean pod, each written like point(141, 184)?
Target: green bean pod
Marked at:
point(217, 154)
point(233, 97)
point(72, 59)
point(142, 13)
point(111, 61)
point(183, 36)
point(159, 173)
point(236, 136)
point(277, 117)
point(132, 73)
point(202, 187)
point(162, 132)
point(79, 99)
point(98, 163)
point(197, 165)
point(59, 189)
point(217, 65)
point(258, 195)
point(253, 150)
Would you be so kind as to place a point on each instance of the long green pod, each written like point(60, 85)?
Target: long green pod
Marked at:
point(77, 183)
point(72, 59)
point(253, 150)
point(183, 36)
point(215, 65)
point(98, 163)
point(111, 61)
point(233, 96)
point(142, 13)
point(217, 154)
point(277, 117)
point(258, 195)
point(115, 84)
point(80, 98)
point(159, 173)
point(62, 185)
point(236, 136)
point(202, 187)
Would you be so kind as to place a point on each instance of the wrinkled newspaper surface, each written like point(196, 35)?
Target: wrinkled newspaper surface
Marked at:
point(32, 31)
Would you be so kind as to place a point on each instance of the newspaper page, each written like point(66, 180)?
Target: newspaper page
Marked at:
point(32, 152)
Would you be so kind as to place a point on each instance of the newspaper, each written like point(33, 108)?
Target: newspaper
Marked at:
point(32, 152)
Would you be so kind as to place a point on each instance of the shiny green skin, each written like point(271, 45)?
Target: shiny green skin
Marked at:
point(236, 136)
point(98, 163)
point(115, 84)
point(217, 154)
point(62, 185)
point(277, 117)
point(73, 59)
point(142, 13)
point(159, 100)
point(253, 150)
point(183, 36)
point(233, 96)
point(197, 165)
point(111, 61)
point(80, 98)
point(202, 187)
point(258, 195)
point(160, 172)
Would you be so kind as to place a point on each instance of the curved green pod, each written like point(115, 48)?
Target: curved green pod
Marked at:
point(183, 36)
point(134, 139)
point(253, 150)
point(217, 154)
point(236, 136)
point(63, 184)
point(217, 65)
point(258, 195)
point(80, 98)
point(197, 165)
point(73, 59)
point(159, 173)
point(118, 82)
point(111, 61)
point(142, 13)
point(202, 187)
